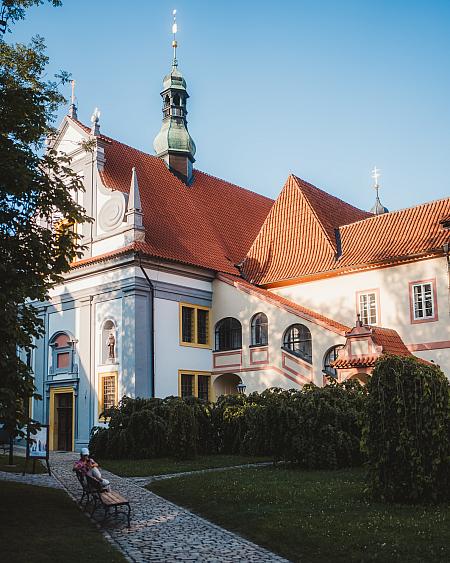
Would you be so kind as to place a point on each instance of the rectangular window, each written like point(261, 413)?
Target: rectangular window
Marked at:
point(62, 360)
point(187, 385)
point(193, 384)
point(188, 324)
point(107, 392)
point(194, 325)
point(423, 304)
point(368, 307)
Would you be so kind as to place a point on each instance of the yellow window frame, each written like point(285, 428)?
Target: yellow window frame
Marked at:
point(101, 398)
point(195, 343)
point(53, 392)
point(196, 374)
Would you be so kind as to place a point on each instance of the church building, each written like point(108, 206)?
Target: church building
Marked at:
point(193, 286)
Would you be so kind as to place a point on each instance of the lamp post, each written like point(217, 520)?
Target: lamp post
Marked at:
point(241, 388)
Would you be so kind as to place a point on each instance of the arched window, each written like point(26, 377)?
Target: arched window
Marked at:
point(297, 341)
point(62, 353)
point(259, 327)
point(109, 342)
point(176, 100)
point(166, 101)
point(329, 358)
point(228, 334)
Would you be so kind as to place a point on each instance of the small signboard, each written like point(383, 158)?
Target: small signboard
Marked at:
point(38, 446)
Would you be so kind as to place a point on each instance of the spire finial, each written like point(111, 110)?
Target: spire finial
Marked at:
point(375, 175)
point(174, 41)
point(95, 118)
point(378, 208)
point(73, 107)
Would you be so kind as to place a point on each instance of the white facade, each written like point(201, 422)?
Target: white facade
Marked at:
point(138, 301)
point(337, 298)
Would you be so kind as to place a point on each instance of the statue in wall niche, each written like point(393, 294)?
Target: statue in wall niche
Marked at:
point(111, 343)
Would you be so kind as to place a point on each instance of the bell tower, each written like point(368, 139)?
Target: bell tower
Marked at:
point(173, 143)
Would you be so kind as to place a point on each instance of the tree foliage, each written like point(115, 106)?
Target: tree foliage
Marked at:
point(36, 185)
point(406, 436)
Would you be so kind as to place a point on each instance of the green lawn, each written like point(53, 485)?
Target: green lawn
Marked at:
point(19, 463)
point(164, 466)
point(39, 525)
point(314, 516)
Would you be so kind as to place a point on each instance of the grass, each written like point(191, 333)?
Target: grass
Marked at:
point(39, 525)
point(314, 516)
point(164, 466)
point(19, 463)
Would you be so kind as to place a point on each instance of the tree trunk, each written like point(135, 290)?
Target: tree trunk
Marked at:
point(11, 451)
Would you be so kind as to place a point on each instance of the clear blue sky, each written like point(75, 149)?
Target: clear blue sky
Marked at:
point(325, 89)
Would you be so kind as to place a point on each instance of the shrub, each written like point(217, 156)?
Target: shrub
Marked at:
point(406, 433)
point(314, 427)
point(149, 428)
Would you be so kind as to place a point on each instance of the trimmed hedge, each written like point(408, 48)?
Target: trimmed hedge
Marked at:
point(406, 436)
point(314, 427)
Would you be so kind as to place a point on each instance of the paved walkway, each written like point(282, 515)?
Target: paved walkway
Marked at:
point(160, 530)
point(143, 481)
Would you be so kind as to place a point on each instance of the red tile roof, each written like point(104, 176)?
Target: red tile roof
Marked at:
point(210, 223)
point(298, 238)
point(355, 362)
point(286, 304)
point(390, 342)
point(298, 235)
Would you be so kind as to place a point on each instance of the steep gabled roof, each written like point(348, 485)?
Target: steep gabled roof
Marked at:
point(309, 233)
point(298, 234)
point(211, 223)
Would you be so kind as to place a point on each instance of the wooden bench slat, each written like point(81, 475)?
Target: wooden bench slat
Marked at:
point(112, 498)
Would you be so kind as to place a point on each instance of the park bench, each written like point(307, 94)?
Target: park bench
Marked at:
point(92, 489)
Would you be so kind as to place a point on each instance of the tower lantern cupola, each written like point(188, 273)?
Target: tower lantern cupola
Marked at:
point(173, 143)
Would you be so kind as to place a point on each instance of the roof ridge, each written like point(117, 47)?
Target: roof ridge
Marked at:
point(390, 213)
point(233, 184)
point(158, 159)
point(309, 184)
point(313, 209)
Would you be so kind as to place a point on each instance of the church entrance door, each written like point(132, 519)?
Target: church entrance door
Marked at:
point(61, 419)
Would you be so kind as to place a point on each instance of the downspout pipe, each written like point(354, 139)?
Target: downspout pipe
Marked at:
point(152, 311)
point(446, 250)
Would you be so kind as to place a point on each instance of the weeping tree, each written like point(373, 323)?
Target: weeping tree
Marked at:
point(406, 435)
point(37, 208)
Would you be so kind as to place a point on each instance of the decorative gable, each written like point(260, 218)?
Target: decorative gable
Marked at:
point(298, 235)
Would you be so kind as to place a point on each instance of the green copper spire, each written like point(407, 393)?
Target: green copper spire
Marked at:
point(173, 143)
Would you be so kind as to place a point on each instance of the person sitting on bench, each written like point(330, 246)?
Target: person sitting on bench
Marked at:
point(87, 466)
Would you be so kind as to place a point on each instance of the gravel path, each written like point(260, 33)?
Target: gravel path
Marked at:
point(160, 530)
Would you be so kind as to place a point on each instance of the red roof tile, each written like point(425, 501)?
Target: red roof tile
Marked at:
point(286, 304)
point(210, 224)
point(298, 237)
point(390, 340)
